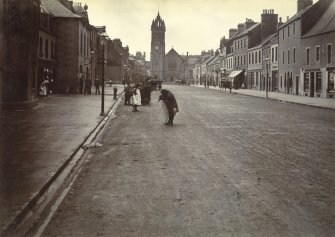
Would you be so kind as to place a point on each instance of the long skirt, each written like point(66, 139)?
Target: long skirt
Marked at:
point(165, 112)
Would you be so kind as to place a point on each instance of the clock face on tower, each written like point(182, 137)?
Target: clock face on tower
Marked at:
point(156, 47)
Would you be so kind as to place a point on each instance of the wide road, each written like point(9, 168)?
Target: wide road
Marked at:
point(231, 166)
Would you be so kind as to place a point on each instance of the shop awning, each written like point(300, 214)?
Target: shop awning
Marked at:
point(234, 74)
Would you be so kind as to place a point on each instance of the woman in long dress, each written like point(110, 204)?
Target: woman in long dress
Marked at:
point(136, 98)
point(164, 109)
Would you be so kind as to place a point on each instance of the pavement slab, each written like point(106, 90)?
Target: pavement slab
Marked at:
point(35, 143)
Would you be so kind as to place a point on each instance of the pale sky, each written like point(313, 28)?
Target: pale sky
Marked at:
point(191, 25)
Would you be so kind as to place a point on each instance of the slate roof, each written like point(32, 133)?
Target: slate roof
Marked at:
point(246, 31)
point(271, 39)
point(215, 60)
point(295, 17)
point(325, 24)
point(209, 60)
point(57, 9)
point(173, 51)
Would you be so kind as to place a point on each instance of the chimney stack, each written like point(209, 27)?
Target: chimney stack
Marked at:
point(240, 27)
point(232, 32)
point(248, 23)
point(269, 22)
point(280, 23)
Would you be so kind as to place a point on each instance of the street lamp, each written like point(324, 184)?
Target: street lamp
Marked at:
point(125, 76)
point(91, 64)
point(267, 63)
point(101, 39)
point(92, 54)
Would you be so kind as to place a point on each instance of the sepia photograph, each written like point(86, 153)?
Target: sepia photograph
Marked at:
point(167, 118)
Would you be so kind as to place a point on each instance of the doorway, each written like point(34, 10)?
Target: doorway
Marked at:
point(297, 85)
point(311, 94)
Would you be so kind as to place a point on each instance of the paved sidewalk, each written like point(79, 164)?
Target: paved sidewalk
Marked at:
point(35, 143)
point(303, 100)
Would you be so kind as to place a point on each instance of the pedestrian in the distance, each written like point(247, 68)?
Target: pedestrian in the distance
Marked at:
point(96, 84)
point(115, 92)
point(136, 97)
point(171, 105)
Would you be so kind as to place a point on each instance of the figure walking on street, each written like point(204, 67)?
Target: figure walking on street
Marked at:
point(136, 98)
point(115, 93)
point(171, 105)
point(96, 84)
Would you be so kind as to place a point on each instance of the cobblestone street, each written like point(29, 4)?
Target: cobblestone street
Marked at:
point(232, 165)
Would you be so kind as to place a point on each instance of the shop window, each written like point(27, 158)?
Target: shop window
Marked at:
point(81, 42)
point(281, 81)
point(331, 82)
point(41, 47)
point(290, 81)
point(46, 48)
point(329, 54)
point(285, 81)
point(306, 81)
point(84, 45)
point(318, 81)
point(52, 49)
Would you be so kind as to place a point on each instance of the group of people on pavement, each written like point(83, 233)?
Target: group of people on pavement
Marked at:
point(46, 87)
point(84, 85)
point(166, 99)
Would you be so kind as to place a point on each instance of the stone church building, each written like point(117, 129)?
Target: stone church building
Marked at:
point(165, 67)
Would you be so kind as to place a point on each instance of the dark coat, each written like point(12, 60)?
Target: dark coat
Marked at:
point(170, 101)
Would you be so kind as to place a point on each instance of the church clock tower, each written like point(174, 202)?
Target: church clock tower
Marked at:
point(157, 48)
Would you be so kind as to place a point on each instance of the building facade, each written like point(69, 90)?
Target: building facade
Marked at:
point(318, 62)
point(46, 52)
point(295, 53)
point(174, 66)
point(20, 21)
point(255, 75)
point(248, 36)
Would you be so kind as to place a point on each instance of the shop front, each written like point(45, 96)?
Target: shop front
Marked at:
point(319, 82)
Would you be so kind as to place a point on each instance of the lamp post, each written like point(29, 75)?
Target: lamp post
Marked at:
point(91, 79)
point(92, 54)
point(103, 80)
point(267, 60)
point(125, 77)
